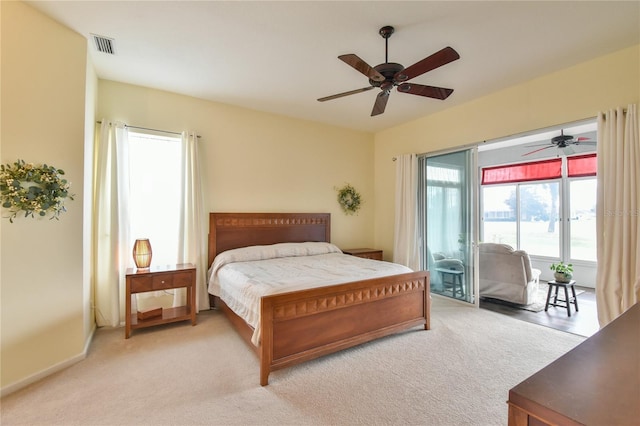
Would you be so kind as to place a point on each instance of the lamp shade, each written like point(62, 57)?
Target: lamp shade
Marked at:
point(142, 253)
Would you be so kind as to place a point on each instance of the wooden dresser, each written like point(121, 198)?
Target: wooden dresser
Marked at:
point(596, 383)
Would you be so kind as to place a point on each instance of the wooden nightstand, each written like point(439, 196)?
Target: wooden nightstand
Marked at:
point(367, 253)
point(161, 278)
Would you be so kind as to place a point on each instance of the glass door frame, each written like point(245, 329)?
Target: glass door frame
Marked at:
point(472, 196)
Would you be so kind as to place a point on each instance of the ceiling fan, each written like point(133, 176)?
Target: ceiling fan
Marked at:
point(390, 74)
point(561, 141)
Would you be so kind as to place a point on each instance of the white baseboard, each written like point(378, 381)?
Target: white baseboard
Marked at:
point(48, 371)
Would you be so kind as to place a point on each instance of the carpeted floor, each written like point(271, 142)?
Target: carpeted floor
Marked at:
point(458, 373)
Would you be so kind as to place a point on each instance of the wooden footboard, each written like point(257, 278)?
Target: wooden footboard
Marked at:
point(303, 325)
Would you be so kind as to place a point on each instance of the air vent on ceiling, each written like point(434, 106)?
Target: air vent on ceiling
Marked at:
point(104, 44)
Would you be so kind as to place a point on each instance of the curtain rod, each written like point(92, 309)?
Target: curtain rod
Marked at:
point(153, 130)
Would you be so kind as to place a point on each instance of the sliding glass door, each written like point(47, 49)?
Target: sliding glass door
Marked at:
point(447, 213)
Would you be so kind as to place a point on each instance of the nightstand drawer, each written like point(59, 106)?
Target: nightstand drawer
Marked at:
point(377, 255)
point(182, 279)
point(140, 284)
point(367, 253)
point(161, 282)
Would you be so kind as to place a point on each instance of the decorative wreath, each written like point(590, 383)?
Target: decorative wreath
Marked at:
point(349, 199)
point(36, 190)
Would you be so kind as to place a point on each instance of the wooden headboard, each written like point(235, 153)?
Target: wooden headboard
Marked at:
point(234, 230)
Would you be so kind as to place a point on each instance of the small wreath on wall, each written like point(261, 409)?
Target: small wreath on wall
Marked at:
point(349, 199)
point(36, 190)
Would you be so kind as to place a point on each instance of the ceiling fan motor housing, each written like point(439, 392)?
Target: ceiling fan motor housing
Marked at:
point(388, 70)
point(561, 140)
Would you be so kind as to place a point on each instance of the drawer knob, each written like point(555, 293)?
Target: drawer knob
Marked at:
point(162, 281)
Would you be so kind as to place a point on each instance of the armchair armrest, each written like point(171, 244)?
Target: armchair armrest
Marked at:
point(535, 274)
point(449, 264)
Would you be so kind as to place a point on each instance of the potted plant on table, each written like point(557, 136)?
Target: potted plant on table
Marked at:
point(562, 272)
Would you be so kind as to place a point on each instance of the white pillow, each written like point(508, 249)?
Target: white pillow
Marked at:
point(272, 251)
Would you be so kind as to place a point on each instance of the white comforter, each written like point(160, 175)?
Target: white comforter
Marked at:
point(240, 277)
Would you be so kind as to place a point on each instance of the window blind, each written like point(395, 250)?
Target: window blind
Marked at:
point(538, 170)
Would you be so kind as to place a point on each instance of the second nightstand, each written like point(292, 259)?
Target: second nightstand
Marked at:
point(367, 253)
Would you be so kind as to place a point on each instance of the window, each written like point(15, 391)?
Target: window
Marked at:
point(539, 213)
point(499, 218)
point(582, 202)
point(155, 180)
point(524, 206)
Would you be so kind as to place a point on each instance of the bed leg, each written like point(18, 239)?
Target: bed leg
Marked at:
point(264, 376)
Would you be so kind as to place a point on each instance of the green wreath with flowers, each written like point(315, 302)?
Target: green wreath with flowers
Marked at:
point(36, 190)
point(349, 199)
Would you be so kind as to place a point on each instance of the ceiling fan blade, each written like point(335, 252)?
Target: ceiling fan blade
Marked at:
point(361, 66)
point(428, 91)
point(381, 103)
point(429, 63)
point(339, 95)
point(583, 141)
point(538, 150)
point(538, 144)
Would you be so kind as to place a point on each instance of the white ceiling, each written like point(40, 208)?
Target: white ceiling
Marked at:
point(281, 56)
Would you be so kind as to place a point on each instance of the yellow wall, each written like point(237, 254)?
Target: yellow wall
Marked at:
point(254, 161)
point(91, 106)
point(43, 94)
point(572, 94)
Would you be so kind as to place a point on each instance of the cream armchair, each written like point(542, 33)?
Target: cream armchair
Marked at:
point(506, 274)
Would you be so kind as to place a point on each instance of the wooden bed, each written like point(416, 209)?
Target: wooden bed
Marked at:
point(303, 325)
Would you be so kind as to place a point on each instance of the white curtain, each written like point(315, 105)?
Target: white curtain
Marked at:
point(618, 213)
point(111, 253)
point(193, 224)
point(405, 245)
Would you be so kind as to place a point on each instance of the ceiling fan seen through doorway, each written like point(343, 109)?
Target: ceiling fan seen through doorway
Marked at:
point(388, 75)
point(563, 142)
